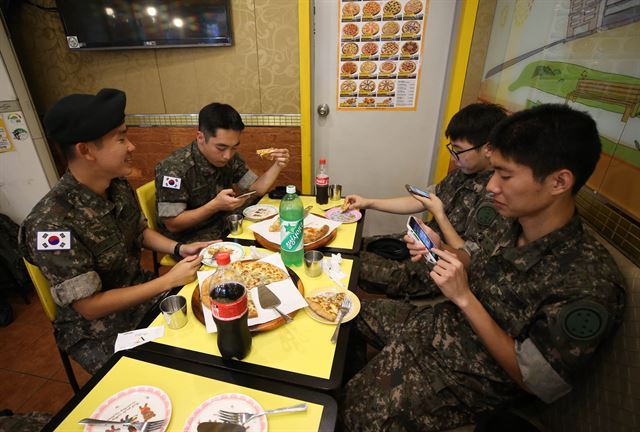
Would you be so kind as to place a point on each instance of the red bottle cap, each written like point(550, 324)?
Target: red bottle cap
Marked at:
point(223, 258)
point(323, 161)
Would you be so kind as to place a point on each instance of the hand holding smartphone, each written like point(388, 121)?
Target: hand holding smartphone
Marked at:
point(415, 191)
point(415, 230)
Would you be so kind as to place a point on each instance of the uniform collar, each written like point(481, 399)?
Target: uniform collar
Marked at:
point(525, 257)
point(81, 196)
point(202, 164)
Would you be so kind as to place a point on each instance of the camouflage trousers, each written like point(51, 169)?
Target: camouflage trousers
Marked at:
point(396, 390)
point(29, 422)
point(398, 279)
point(92, 353)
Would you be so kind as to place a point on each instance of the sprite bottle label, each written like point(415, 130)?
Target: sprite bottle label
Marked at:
point(291, 235)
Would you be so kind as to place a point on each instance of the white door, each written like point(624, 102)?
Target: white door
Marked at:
point(374, 153)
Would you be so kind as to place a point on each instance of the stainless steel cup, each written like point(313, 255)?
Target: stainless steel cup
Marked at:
point(235, 223)
point(335, 192)
point(313, 263)
point(174, 310)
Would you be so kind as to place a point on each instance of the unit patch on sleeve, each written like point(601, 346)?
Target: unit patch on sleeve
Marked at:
point(171, 182)
point(54, 240)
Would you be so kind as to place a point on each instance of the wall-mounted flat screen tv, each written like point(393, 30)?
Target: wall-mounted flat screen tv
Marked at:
point(120, 24)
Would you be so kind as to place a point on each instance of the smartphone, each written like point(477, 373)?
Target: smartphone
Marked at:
point(415, 230)
point(246, 194)
point(414, 190)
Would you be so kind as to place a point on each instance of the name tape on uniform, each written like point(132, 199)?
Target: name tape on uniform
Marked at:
point(54, 240)
point(171, 182)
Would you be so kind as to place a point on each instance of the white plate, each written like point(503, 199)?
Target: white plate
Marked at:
point(138, 403)
point(208, 253)
point(259, 212)
point(236, 402)
point(353, 312)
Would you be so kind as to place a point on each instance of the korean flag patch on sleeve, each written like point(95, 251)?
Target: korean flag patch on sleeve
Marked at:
point(171, 182)
point(54, 240)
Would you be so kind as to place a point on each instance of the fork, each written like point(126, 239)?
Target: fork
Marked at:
point(345, 307)
point(243, 418)
point(145, 426)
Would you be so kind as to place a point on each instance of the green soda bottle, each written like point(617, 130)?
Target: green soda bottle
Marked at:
point(291, 228)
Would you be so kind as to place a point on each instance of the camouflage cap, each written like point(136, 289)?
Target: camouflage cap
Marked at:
point(84, 117)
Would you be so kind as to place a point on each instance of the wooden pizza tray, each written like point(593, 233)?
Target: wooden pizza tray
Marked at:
point(196, 306)
point(267, 244)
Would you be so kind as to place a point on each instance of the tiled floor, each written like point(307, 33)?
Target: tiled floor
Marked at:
point(32, 377)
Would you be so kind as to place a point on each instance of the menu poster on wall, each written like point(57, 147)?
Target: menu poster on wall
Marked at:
point(380, 53)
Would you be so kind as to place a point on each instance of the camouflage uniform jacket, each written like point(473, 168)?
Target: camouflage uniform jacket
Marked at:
point(102, 253)
point(559, 297)
point(199, 183)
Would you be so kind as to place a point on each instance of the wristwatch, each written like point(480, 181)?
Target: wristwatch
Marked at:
point(176, 249)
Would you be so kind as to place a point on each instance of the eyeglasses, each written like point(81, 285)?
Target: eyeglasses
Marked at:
point(456, 154)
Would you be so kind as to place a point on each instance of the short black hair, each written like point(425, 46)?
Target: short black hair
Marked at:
point(548, 138)
point(475, 122)
point(218, 116)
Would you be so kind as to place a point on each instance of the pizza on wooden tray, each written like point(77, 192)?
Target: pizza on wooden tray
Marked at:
point(251, 274)
point(326, 305)
point(309, 234)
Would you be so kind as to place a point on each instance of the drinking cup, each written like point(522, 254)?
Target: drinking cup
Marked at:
point(174, 310)
point(313, 263)
point(235, 223)
point(335, 192)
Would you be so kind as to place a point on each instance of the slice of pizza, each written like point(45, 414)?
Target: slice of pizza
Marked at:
point(326, 305)
point(311, 235)
point(253, 312)
point(345, 206)
point(275, 226)
point(266, 153)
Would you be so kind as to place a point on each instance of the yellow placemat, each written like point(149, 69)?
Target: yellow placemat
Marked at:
point(301, 347)
point(346, 232)
point(187, 392)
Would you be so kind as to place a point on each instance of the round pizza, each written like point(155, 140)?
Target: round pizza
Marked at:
point(407, 66)
point(347, 87)
point(370, 48)
point(389, 48)
point(390, 28)
point(392, 7)
point(386, 86)
point(370, 29)
point(368, 85)
point(350, 30)
point(413, 7)
point(371, 8)
point(387, 67)
point(411, 27)
point(350, 9)
point(368, 67)
point(349, 68)
point(410, 48)
point(350, 49)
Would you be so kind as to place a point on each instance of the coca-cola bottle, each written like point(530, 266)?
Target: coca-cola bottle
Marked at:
point(322, 183)
point(229, 309)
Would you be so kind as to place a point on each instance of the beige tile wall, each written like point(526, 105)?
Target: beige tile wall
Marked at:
point(258, 74)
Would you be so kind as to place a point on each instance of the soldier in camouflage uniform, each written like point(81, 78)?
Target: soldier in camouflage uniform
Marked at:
point(459, 192)
point(86, 234)
point(194, 184)
point(532, 312)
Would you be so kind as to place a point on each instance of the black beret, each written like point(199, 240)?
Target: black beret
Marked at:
point(84, 117)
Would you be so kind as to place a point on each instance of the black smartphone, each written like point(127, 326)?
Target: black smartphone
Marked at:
point(414, 190)
point(415, 230)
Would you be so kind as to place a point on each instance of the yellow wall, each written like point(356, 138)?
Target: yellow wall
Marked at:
point(258, 74)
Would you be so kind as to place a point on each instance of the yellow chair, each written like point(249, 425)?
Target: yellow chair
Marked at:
point(43, 288)
point(147, 199)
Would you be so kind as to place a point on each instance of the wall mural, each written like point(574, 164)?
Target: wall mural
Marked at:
point(585, 53)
